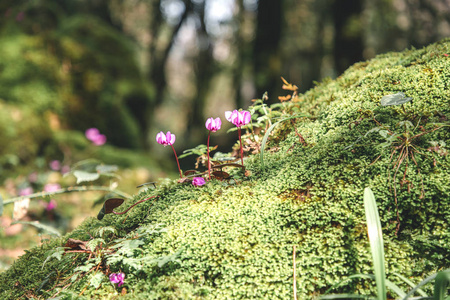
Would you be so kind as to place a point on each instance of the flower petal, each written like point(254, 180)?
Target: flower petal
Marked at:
point(228, 115)
point(246, 117)
point(208, 124)
point(218, 123)
point(160, 138)
point(172, 139)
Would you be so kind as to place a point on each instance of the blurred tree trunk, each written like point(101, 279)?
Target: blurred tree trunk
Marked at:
point(267, 58)
point(158, 56)
point(204, 70)
point(241, 57)
point(348, 43)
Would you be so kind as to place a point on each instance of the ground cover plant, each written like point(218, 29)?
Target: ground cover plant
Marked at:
point(304, 165)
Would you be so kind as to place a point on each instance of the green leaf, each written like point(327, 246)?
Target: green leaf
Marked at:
point(106, 169)
point(57, 253)
point(395, 99)
point(83, 176)
point(102, 230)
point(376, 241)
point(84, 268)
point(96, 279)
point(92, 244)
point(49, 229)
point(161, 261)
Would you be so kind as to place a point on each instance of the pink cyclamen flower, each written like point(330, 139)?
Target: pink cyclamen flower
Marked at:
point(99, 140)
point(51, 187)
point(55, 165)
point(117, 278)
point(93, 134)
point(213, 124)
point(165, 139)
point(51, 205)
point(238, 118)
point(198, 181)
point(168, 139)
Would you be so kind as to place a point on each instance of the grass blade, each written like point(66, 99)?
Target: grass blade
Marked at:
point(376, 242)
point(389, 284)
point(422, 283)
point(440, 284)
point(345, 296)
point(411, 284)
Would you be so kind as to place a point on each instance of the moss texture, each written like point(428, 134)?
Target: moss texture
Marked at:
point(235, 240)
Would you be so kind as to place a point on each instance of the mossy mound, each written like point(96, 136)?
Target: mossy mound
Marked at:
point(234, 240)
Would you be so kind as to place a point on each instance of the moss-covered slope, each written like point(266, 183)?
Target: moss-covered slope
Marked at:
point(234, 240)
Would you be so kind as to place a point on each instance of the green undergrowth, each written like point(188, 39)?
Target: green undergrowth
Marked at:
point(234, 239)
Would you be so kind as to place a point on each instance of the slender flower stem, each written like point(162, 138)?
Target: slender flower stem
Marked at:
point(207, 150)
point(178, 163)
point(240, 141)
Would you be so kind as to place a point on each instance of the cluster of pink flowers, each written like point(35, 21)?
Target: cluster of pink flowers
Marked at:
point(55, 165)
point(117, 278)
point(94, 135)
point(238, 118)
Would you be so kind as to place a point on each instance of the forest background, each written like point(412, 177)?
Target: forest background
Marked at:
point(134, 68)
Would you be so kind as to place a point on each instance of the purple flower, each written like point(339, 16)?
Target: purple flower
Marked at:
point(93, 134)
point(51, 187)
point(238, 118)
point(55, 165)
point(99, 140)
point(26, 191)
point(213, 124)
point(198, 181)
point(51, 205)
point(117, 278)
point(167, 139)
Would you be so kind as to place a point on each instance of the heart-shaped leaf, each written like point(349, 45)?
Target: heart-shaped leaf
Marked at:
point(83, 176)
point(395, 99)
point(106, 169)
point(112, 203)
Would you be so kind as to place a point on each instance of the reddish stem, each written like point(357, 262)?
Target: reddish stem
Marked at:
point(178, 163)
point(207, 150)
point(240, 141)
point(140, 201)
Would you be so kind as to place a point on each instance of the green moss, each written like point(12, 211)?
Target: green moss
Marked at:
point(235, 241)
